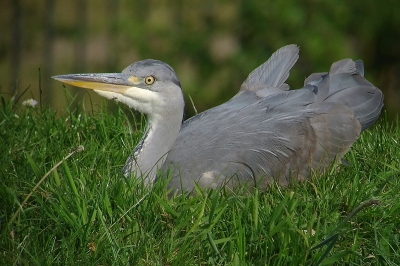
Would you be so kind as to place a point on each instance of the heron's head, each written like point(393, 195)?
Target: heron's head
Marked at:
point(148, 86)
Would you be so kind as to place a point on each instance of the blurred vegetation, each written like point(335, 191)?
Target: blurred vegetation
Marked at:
point(212, 45)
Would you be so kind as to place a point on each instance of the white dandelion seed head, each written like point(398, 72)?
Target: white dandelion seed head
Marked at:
point(30, 103)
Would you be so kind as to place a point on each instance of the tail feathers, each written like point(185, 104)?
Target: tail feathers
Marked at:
point(346, 85)
point(347, 66)
point(315, 78)
point(360, 67)
point(274, 72)
point(342, 66)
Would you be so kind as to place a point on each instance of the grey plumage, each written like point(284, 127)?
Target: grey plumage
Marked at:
point(265, 132)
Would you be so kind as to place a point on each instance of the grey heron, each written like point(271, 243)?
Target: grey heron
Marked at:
point(266, 132)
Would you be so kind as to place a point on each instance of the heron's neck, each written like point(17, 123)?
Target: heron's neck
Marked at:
point(151, 152)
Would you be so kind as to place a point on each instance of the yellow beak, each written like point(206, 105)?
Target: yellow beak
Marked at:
point(113, 82)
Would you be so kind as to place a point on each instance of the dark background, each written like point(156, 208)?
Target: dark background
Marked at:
point(212, 45)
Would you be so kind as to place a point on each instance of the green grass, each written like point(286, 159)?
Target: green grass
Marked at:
point(86, 213)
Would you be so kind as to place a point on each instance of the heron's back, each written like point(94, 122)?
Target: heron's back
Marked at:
point(268, 132)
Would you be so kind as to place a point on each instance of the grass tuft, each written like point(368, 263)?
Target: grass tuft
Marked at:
point(81, 210)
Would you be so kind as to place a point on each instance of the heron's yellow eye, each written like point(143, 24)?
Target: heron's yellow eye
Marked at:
point(149, 80)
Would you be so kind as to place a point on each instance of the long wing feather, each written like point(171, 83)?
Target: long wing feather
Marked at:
point(274, 72)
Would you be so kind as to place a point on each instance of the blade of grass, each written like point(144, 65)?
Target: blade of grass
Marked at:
point(78, 149)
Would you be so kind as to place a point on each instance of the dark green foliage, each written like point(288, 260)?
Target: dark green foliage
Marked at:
point(212, 45)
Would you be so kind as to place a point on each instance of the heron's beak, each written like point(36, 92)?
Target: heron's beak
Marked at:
point(112, 82)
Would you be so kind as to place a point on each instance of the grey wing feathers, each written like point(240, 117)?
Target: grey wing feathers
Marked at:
point(272, 141)
point(360, 67)
point(345, 84)
point(336, 129)
point(270, 132)
point(274, 72)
